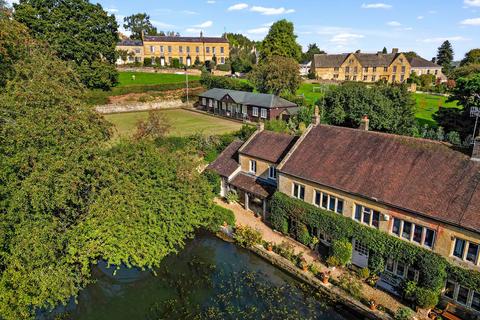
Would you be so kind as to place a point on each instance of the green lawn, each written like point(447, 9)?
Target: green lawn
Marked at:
point(427, 105)
point(312, 91)
point(146, 78)
point(183, 123)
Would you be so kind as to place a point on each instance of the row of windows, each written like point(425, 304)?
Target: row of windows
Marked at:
point(365, 78)
point(466, 250)
point(413, 232)
point(272, 170)
point(328, 202)
point(366, 69)
point(367, 216)
point(401, 270)
point(263, 112)
point(187, 49)
point(467, 297)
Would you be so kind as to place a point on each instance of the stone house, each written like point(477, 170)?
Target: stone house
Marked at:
point(243, 105)
point(417, 190)
point(365, 67)
point(422, 66)
point(134, 50)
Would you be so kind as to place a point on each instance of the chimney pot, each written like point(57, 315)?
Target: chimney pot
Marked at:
point(316, 117)
point(476, 149)
point(395, 50)
point(364, 123)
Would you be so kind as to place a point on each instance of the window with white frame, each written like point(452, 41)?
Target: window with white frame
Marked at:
point(367, 216)
point(210, 103)
point(263, 113)
point(197, 49)
point(221, 50)
point(465, 296)
point(244, 109)
point(204, 101)
point(169, 49)
point(152, 49)
point(328, 202)
point(207, 49)
point(401, 270)
point(188, 49)
point(298, 191)
point(272, 173)
point(253, 166)
point(255, 111)
point(180, 49)
point(466, 250)
point(413, 232)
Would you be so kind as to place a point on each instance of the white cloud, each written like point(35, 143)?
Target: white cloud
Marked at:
point(420, 17)
point(11, 2)
point(376, 6)
point(472, 3)
point(345, 38)
point(394, 24)
point(271, 11)
point(238, 6)
point(211, 1)
point(161, 24)
point(206, 24)
point(442, 39)
point(268, 24)
point(193, 30)
point(471, 22)
point(189, 12)
point(261, 30)
point(110, 10)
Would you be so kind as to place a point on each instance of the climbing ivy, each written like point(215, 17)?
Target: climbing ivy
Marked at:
point(433, 268)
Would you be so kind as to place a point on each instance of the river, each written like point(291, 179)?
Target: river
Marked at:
point(208, 279)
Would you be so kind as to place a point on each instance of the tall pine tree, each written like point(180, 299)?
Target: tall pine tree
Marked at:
point(445, 56)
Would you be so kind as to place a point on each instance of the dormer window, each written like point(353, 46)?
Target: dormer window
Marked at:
point(272, 173)
point(253, 166)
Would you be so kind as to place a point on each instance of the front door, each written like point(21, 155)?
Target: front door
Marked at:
point(359, 254)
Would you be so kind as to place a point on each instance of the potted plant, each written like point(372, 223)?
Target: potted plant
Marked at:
point(269, 246)
point(303, 264)
point(325, 277)
point(373, 305)
point(313, 243)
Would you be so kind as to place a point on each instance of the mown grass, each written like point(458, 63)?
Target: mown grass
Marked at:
point(312, 91)
point(183, 122)
point(427, 105)
point(147, 78)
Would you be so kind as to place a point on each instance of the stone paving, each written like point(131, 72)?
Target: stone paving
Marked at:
point(248, 218)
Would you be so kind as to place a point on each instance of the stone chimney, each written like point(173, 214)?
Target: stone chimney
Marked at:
point(476, 149)
point(395, 50)
point(260, 126)
point(201, 34)
point(316, 117)
point(364, 123)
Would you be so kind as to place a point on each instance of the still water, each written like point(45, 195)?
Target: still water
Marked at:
point(209, 279)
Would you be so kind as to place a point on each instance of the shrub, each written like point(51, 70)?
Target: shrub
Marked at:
point(247, 236)
point(210, 82)
point(404, 313)
point(363, 273)
point(426, 298)
point(333, 261)
point(302, 234)
point(285, 249)
point(147, 62)
point(314, 268)
point(175, 63)
point(231, 197)
point(376, 263)
point(224, 67)
point(220, 216)
point(342, 250)
point(213, 179)
point(409, 289)
point(350, 285)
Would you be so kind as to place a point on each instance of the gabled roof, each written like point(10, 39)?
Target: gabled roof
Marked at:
point(132, 43)
point(415, 175)
point(253, 185)
point(268, 145)
point(249, 98)
point(419, 62)
point(227, 163)
point(184, 39)
point(329, 60)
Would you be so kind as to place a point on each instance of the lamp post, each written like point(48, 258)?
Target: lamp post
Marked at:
point(186, 77)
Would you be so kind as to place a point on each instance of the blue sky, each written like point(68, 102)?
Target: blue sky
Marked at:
point(336, 26)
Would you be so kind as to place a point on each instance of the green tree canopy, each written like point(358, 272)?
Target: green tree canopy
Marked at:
point(312, 50)
point(281, 41)
point(77, 31)
point(277, 75)
point(445, 56)
point(136, 23)
point(384, 50)
point(69, 199)
point(471, 57)
point(389, 108)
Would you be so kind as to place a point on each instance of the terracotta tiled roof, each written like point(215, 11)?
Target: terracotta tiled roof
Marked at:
point(269, 146)
point(416, 175)
point(185, 39)
point(253, 185)
point(227, 162)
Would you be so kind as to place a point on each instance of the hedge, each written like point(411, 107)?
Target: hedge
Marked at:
point(220, 215)
point(433, 268)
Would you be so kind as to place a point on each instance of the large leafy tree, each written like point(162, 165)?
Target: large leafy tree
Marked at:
point(445, 56)
point(389, 108)
point(77, 31)
point(67, 199)
point(281, 41)
point(312, 50)
point(471, 57)
point(138, 23)
point(277, 75)
point(242, 52)
point(466, 93)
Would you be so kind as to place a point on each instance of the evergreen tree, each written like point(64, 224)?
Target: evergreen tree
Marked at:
point(281, 41)
point(136, 23)
point(384, 51)
point(445, 56)
point(77, 31)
